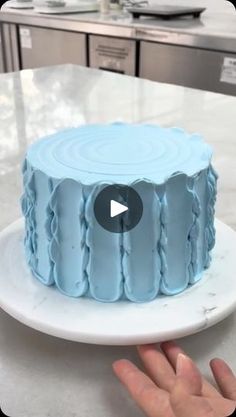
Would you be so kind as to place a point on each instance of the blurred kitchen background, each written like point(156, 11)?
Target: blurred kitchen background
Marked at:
point(198, 50)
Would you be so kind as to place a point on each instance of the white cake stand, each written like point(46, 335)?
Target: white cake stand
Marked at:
point(121, 323)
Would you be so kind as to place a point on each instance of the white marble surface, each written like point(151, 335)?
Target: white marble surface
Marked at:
point(44, 376)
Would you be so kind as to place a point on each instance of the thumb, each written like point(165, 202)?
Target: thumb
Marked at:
point(190, 376)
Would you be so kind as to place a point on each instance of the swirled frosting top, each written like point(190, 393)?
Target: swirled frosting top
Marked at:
point(119, 153)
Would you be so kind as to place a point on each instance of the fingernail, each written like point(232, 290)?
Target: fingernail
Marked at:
point(181, 361)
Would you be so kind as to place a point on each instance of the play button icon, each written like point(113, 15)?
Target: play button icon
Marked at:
point(118, 208)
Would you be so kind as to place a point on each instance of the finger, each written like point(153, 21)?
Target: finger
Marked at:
point(151, 399)
point(157, 366)
point(171, 351)
point(185, 368)
point(186, 405)
point(224, 377)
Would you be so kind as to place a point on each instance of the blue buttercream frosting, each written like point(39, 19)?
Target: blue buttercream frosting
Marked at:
point(168, 249)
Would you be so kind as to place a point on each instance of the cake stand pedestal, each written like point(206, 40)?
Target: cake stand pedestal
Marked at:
point(122, 323)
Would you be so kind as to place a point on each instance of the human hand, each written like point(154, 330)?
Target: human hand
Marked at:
point(174, 387)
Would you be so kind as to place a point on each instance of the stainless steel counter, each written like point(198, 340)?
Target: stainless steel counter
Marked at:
point(60, 378)
point(198, 53)
point(209, 32)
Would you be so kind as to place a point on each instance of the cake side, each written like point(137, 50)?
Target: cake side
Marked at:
point(166, 251)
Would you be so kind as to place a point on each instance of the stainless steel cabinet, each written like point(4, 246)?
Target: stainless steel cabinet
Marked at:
point(43, 47)
point(113, 54)
point(190, 67)
point(10, 47)
point(1, 54)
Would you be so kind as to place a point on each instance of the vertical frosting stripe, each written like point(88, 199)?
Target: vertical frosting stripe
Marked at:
point(42, 266)
point(197, 233)
point(85, 249)
point(210, 229)
point(66, 244)
point(140, 260)
point(162, 244)
point(176, 218)
point(194, 231)
point(104, 265)
point(28, 202)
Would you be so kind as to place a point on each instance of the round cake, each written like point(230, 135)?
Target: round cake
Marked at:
point(166, 251)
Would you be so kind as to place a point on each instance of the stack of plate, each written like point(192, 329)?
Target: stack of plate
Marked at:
point(54, 6)
point(63, 6)
point(18, 4)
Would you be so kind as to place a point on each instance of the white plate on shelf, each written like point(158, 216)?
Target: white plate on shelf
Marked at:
point(122, 323)
point(81, 7)
point(13, 4)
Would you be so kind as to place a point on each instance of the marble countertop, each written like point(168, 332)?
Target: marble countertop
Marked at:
point(56, 377)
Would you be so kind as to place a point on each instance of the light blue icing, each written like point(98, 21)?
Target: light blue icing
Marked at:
point(119, 153)
point(66, 243)
point(194, 235)
point(168, 249)
point(105, 278)
point(142, 243)
point(197, 237)
point(28, 209)
point(178, 219)
point(210, 229)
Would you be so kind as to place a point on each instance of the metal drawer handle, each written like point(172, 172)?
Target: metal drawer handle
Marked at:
point(140, 32)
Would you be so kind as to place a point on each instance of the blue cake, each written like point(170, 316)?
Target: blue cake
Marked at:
point(170, 247)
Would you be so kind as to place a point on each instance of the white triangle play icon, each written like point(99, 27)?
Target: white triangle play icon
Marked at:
point(116, 208)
